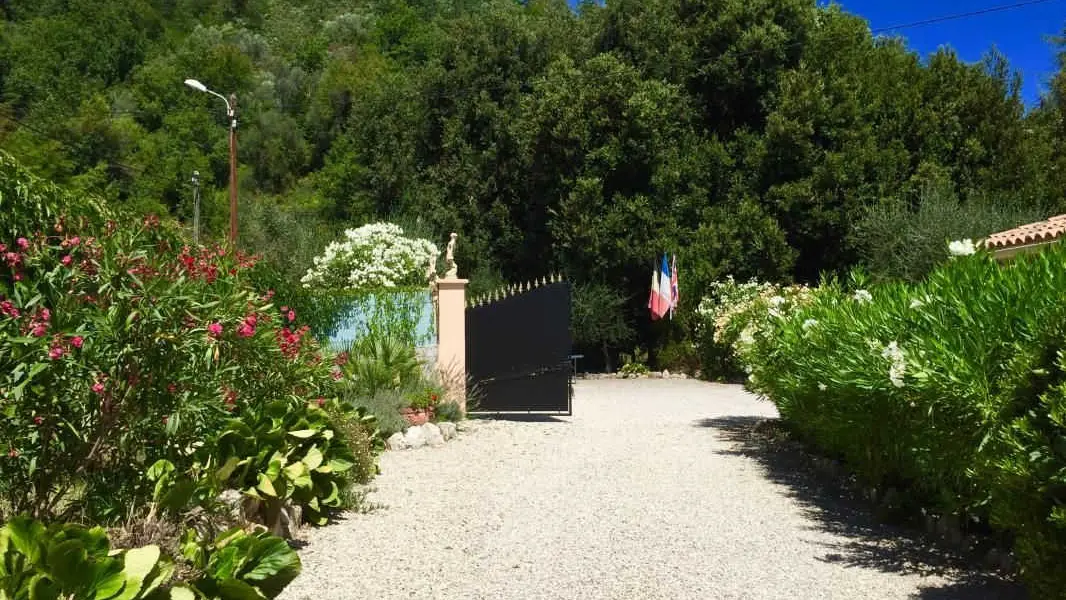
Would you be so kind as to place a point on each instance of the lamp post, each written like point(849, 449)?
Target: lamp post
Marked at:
point(231, 112)
point(196, 208)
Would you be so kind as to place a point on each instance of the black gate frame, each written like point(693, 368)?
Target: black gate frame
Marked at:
point(518, 352)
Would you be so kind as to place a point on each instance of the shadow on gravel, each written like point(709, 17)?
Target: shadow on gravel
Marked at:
point(872, 544)
point(519, 417)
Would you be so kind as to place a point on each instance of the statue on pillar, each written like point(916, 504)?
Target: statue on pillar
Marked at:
point(453, 269)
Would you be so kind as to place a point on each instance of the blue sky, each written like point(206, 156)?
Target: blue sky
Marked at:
point(1019, 33)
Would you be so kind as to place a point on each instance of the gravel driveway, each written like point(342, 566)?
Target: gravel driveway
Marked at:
point(644, 493)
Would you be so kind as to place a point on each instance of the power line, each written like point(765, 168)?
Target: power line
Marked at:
point(957, 16)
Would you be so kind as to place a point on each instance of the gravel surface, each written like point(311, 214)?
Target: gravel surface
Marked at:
point(642, 494)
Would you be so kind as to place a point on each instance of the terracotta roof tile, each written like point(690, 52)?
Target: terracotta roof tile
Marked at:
point(1033, 233)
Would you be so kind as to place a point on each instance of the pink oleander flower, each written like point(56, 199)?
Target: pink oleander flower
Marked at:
point(7, 308)
point(39, 330)
point(292, 316)
point(321, 402)
point(56, 352)
point(38, 420)
point(77, 341)
point(245, 330)
point(74, 241)
point(98, 388)
point(66, 260)
point(46, 315)
point(23, 243)
point(214, 329)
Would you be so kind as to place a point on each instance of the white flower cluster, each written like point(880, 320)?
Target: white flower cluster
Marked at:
point(370, 257)
point(898, 363)
point(962, 247)
point(863, 296)
point(810, 323)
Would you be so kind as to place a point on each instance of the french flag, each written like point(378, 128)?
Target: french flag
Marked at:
point(666, 294)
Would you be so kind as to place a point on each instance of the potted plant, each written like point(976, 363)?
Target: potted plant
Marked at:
point(420, 405)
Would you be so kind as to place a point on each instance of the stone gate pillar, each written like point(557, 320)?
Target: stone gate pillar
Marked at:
point(451, 336)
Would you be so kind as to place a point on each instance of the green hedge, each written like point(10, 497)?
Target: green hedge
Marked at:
point(953, 389)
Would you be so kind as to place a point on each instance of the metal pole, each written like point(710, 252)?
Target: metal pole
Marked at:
point(233, 171)
point(196, 208)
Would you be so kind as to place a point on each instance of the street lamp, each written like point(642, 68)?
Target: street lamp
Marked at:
point(231, 106)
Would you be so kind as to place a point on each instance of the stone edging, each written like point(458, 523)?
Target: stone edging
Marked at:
point(428, 434)
point(648, 375)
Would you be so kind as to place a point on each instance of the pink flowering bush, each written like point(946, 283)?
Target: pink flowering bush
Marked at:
point(120, 347)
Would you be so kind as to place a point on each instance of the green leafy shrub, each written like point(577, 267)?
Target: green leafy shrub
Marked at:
point(951, 389)
point(157, 348)
point(448, 411)
point(71, 561)
point(285, 454)
point(379, 363)
point(238, 565)
point(385, 405)
point(634, 364)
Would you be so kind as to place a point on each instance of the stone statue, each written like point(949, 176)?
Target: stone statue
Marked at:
point(453, 269)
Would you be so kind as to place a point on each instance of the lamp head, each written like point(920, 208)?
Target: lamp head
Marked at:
point(196, 85)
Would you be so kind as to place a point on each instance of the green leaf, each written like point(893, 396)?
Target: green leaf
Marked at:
point(25, 535)
point(43, 588)
point(303, 433)
point(313, 459)
point(182, 593)
point(158, 469)
point(235, 589)
point(340, 465)
point(68, 563)
point(266, 486)
point(334, 497)
point(162, 574)
point(139, 564)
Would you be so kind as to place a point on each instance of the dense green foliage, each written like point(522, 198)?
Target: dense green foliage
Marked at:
point(143, 381)
point(756, 138)
point(950, 390)
point(71, 561)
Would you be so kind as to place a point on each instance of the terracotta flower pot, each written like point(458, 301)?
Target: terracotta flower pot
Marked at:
point(417, 416)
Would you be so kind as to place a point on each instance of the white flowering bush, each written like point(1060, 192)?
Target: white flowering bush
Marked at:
point(372, 257)
point(950, 390)
point(962, 248)
point(733, 314)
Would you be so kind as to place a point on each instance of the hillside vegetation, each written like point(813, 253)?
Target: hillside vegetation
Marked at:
point(770, 138)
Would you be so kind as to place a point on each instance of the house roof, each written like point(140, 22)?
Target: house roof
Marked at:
point(1033, 233)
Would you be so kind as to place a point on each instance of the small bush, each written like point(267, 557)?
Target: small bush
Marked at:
point(385, 405)
point(448, 411)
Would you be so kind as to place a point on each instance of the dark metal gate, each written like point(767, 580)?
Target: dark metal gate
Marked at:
point(518, 351)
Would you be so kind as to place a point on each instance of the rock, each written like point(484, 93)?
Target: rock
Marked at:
point(666, 374)
point(447, 430)
point(433, 435)
point(291, 519)
point(415, 437)
point(396, 441)
point(683, 376)
point(233, 500)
